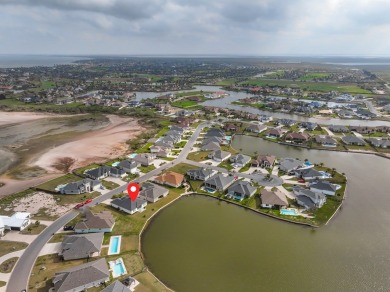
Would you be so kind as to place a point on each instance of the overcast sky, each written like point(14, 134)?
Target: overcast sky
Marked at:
point(234, 27)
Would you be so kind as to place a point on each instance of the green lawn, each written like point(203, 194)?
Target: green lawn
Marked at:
point(182, 168)
point(245, 168)
point(109, 185)
point(52, 184)
point(33, 229)
point(146, 169)
point(255, 105)
point(80, 171)
point(226, 165)
point(8, 265)
point(314, 75)
point(198, 156)
point(227, 82)
point(73, 199)
point(7, 247)
point(184, 103)
point(145, 148)
point(2, 283)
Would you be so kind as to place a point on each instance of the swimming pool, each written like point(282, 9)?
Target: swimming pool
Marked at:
point(115, 245)
point(117, 268)
point(228, 138)
point(132, 155)
point(288, 212)
point(209, 190)
point(116, 163)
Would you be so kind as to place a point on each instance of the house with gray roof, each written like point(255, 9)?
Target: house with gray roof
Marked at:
point(86, 185)
point(323, 187)
point(201, 173)
point(264, 161)
point(240, 160)
point(81, 246)
point(326, 141)
point(212, 146)
point(99, 222)
point(82, 277)
point(273, 199)
point(379, 143)
point(129, 166)
point(125, 204)
point(309, 174)
point(255, 128)
point(338, 129)
point(152, 192)
point(104, 171)
point(240, 190)
point(353, 140)
point(290, 164)
point(215, 132)
point(117, 287)
point(219, 155)
point(219, 182)
point(212, 139)
point(144, 159)
point(309, 199)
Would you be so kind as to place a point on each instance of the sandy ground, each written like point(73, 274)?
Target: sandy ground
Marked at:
point(95, 146)
point(21, 117)
point(38, 200)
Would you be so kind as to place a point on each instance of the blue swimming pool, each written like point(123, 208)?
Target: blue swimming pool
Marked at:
point(288, 212)
point(115, 244)
point(119, 269)
point(210, 190)
point(228, 138)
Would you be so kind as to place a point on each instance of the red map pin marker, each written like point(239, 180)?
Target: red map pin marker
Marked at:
point(133, 191)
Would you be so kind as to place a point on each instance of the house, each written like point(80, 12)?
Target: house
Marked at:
point(125, 204)
point(264, 161)
point(309, 199)
point(241, 190)
point(290, 164)
point(81, 246)
point(326, 141)
point(353, 140)
point(80, 187)
point(82, 277)
point(160, 151)
point(104, 171)
point(212, 139)
point(144, 159)
point(323, 187)
point(275, 133)
point(240, 160)
point(212, 146)
point(231, 127)
point(18, 221)
point(309, 174)
point(119, 287)
point(286, 122)
point(201, 173)
point(170, 178)
point(129, 166)
point(309, 126)
point(297, 137)
point(92, 223)
point(219, 155)
point(215, 132)
point(184, 113)
point(219, 182)
point(256, 128)
point(152, 192)
point(273, 199)
point(379, 143)
point(338, 129)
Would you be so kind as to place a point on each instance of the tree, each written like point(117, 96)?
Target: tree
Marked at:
point(64, 164)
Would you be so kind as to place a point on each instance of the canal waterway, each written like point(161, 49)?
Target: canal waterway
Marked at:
point(201, 244)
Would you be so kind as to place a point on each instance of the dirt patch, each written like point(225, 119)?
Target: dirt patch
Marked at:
point(7, 118)
point(37, 201)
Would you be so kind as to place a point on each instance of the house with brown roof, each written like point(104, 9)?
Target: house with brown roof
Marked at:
point(170, 178)
point(270, 199)
point(231, 127)
point(297, 137)
point(100, 222)
point(264, 161)
point(275, 133)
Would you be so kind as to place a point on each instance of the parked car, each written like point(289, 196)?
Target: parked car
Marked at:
point(78, 206)
point(88, 201)
point(68, 227)
point(301, 180)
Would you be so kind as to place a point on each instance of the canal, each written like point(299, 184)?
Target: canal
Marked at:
point(201, 244)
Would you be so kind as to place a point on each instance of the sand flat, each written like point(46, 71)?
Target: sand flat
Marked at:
point(7, 118)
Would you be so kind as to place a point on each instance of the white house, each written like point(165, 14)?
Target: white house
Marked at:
point(18, 221)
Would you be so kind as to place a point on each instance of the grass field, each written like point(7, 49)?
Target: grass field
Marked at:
point(182, 168)
point(8, 265)
point(52, 184)
point(33, 229)
point(184, 103)
point(314, 75)
point(7, 247)
point(198, 156)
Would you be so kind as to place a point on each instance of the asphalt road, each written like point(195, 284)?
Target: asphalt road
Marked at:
point(21, 273)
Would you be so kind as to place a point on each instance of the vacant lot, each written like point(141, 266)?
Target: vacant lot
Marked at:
point(7, 247)
point(62, 180)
